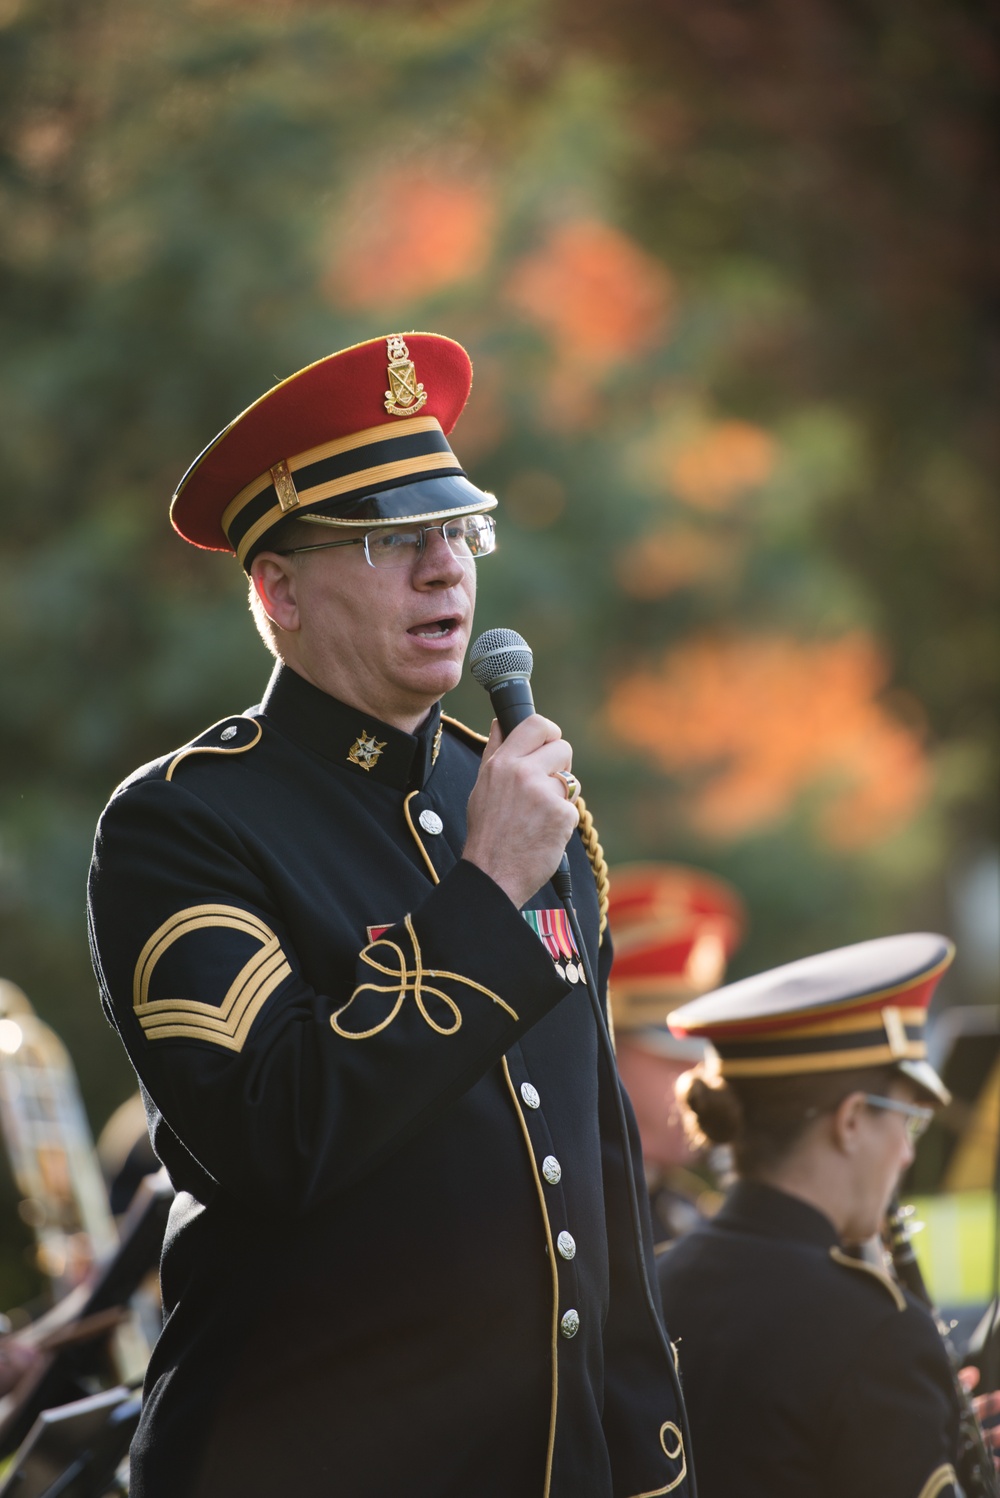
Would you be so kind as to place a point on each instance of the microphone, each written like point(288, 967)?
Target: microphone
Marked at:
point(501, 661)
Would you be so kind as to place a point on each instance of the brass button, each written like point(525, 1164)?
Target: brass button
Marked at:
point(566, 1245)
point(570, 1323)
point(530, 1095)
point(430, 821)
point(552, 1170)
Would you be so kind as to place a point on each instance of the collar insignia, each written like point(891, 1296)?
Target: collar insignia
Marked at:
point(436, 746)
point(365, 751)
point(405, 394)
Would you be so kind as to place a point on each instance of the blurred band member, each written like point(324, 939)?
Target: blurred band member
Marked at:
point(826, 1377)
point(675, 928)
point(400, 1258)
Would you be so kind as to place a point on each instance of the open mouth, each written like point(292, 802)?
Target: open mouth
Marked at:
point(435, 629)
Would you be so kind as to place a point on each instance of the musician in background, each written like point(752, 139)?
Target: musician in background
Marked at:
point(826, 1376)
point(675, 928)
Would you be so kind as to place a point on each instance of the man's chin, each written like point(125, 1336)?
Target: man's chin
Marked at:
point(437, 678)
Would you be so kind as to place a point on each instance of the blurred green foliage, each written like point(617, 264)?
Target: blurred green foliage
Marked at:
point(197, 197)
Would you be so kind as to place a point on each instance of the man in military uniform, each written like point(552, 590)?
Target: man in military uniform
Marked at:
point(831, 1378)
point(675, 928)
point(401, 1255)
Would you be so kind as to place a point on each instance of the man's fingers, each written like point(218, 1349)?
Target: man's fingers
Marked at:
point(532, 734)
point(494, 741)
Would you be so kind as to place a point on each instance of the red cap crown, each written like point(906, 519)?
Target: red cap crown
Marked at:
point(363, 419)
point(674, 929)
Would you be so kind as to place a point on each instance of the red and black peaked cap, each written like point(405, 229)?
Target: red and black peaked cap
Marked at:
point(858, 1006)
point(359, 438)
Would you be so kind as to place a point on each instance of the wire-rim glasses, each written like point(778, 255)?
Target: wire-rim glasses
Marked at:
point(916, 1118)
point(468, 537)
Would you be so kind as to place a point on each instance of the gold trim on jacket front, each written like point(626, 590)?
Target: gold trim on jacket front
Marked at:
point(940, 1478)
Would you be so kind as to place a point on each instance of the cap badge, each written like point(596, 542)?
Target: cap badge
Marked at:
point(365, 751)
point(405, 394)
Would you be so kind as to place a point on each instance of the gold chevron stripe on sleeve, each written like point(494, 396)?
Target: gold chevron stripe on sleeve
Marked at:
point(226, 1024)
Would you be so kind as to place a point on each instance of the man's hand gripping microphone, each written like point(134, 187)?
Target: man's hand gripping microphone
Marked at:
point(501, 661)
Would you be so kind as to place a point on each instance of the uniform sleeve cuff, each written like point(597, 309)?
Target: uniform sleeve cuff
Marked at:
point(469, 926)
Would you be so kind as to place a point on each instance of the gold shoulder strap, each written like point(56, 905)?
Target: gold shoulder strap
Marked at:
point(228, 736)
point(471, 735)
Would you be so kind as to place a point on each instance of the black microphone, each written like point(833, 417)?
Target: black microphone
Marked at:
point(501, 661)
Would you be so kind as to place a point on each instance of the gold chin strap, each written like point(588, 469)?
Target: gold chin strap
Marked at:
point(598, 862)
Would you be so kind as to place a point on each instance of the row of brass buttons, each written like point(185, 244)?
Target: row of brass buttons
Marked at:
point(569, 1323)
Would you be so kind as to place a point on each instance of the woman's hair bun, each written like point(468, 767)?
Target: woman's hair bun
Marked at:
point(713, 1107)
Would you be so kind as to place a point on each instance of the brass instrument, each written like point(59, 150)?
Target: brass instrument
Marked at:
point(974, 1462)
point(44, 1128)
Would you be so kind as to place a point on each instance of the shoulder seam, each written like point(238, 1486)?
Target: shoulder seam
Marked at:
point(195, 747)
point(878, 1275)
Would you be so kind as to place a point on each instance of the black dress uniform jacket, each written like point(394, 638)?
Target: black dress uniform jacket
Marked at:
point(826, 1378)
point(400, 1258)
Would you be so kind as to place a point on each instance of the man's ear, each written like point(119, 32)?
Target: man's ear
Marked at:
point(845, 1122)
point(274, 580)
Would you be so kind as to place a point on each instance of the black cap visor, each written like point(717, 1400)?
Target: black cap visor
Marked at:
point(427, 499)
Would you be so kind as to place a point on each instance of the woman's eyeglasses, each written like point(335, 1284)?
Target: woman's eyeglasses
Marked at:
point(916, 1118)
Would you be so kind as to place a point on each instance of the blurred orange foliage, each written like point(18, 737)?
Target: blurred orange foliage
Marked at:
point(756, 722)
point(406, 235)
point(666, 560)
point(714, 466)
point(600, 299)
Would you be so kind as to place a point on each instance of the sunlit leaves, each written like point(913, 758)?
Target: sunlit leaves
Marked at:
point(751, 724)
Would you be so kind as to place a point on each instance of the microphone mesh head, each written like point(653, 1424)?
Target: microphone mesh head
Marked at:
point(498, 655)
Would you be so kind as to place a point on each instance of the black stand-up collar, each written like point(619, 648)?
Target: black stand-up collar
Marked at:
point(752, 1207)
point(355, 740)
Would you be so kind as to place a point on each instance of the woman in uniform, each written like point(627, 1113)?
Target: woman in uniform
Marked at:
point(807, 1370)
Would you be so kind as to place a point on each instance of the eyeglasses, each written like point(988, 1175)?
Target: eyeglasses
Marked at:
point(467, 537)
point(917, 1118)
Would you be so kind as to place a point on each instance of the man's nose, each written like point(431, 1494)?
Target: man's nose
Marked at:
point(437, 561)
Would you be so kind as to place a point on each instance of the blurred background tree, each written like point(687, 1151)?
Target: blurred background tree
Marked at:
point(725, 274)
